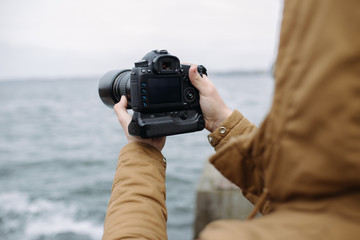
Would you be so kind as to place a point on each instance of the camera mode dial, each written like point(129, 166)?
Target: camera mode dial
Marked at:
point(142, 63)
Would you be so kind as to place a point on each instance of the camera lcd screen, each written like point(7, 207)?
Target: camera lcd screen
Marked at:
point(164, 90)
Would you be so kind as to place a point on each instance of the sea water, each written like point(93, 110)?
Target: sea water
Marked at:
point(58, 151)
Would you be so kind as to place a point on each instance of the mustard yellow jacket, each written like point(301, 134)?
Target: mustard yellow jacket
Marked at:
point(304, 159)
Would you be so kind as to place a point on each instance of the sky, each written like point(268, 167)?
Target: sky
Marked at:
point(76, 38)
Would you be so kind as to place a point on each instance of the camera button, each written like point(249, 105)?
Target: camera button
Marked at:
point(183, 115)
point(143, 70)
point(144, 85)
point(190, 95)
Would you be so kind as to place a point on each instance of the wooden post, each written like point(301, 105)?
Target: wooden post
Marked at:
point(218, 198)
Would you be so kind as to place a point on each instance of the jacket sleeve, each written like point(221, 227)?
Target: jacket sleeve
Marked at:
point(234, 144)
point(234, 126)
point(137, 206)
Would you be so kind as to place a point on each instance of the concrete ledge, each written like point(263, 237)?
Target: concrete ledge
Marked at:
point(218, 198)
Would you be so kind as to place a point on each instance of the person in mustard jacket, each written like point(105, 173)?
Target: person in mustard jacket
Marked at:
point(301, 167)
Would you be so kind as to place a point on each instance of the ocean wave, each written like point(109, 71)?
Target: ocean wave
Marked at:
point(41, 218)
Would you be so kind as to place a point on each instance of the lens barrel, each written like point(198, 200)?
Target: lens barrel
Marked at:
point(113, 85)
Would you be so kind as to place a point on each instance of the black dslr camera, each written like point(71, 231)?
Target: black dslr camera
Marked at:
point(160, 93)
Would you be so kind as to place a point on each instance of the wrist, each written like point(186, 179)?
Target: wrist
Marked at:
point(225, 131)
point(157, 143)
point(220, 119)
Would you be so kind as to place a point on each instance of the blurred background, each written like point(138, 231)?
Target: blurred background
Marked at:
point(59, 143)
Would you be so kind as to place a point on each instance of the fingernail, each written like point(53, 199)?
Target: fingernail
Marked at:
point(201, 70)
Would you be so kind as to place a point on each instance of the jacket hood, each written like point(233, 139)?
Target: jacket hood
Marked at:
point(309, 144)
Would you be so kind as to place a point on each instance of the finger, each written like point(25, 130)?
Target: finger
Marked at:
point(203, 84)
point(120, 107)
point(195, 77)
point(121, 112)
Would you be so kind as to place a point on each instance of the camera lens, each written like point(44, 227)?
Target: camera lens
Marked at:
point(113, 85)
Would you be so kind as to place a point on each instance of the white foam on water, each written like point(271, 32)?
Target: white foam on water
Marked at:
point(60, 223)
point(44, 217)
point(13, 201)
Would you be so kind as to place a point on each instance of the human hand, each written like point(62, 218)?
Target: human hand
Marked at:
point(125, 118)
point(213, 107)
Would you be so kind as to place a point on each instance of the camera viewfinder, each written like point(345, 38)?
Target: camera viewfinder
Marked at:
point(166, 65)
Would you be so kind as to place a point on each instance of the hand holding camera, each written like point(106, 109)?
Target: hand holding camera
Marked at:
point(125, 118)
point(214, 109)
point(164, 95)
